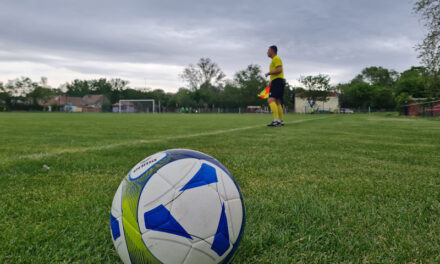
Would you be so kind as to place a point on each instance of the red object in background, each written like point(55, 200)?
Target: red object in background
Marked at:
point(426, 109)
point(413, 110)
point(435, 111)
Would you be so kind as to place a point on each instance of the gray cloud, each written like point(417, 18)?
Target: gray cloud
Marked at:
point(155, 39)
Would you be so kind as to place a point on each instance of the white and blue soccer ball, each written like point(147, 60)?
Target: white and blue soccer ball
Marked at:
point(177, 206)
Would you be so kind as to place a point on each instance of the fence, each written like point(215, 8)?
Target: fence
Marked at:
point(427, 109)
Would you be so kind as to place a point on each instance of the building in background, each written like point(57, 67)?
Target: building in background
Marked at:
point(87, 103)
point(302, 106)
point(94, 102)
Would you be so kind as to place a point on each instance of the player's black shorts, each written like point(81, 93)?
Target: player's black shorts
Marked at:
point(277, 88)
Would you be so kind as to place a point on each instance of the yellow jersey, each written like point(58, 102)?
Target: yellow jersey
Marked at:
point(276, 62)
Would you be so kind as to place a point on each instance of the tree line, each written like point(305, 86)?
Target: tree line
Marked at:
point(381, 88)
point(207, 87)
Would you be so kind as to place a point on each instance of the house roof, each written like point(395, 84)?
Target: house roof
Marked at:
point(93, 99)
point(76, 101)
point(61, 100)
point(87, 100)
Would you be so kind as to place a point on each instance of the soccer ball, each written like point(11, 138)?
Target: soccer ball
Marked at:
point(177, 206)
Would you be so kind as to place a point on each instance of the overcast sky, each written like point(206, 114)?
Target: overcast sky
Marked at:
point(150, 42)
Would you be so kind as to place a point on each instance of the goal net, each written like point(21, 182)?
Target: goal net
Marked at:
point(137, 106)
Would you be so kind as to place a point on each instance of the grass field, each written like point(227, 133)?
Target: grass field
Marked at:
point(324, 188)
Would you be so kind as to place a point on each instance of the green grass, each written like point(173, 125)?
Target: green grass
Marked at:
point(353, 188)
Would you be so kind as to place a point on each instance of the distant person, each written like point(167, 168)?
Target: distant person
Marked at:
point(276, 84)
point(406, 108)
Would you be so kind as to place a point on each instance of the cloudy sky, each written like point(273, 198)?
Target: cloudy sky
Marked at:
point(150, 42)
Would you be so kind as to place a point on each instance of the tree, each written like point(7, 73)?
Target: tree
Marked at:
point(101, 86)
point(39, 93)
point(130, 93)
point(44, 82)
point(250, 82)
point(183, 98)
point(205, 72)
point(23, 94)
point(118, 84)
point(19, 87)
point(159, 95)
point(363, 95)
point(430, 47)
point(289, 96)
point(114, 89)
point(230, 96)
point(5, 98)
point(383, 98)
point(379, 76)
point(316, 88)
point(209, 95)
point(359, 94)
point(78, 88)
point(412, 82)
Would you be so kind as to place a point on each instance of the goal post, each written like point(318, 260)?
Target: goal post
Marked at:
point(137, 106)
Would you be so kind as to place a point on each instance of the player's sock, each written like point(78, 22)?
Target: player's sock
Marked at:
point(280, 113)
point(274, 109)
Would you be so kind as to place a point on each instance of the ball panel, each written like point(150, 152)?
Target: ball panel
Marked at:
point(160, 219)
point(230, 195)
point(221, 241)
point(166, 247)
point(176, 172)
point(227, 187)
point(138, 252)
point(204, 176)
point(155, 192)
point(234, 248)
point(234, 212)
point(116, 210)
point(198, 211)
point(130, 199)
point(201, 253)
point(159, 188)
point(119, 242)
point(116, 226)
point(123, 253)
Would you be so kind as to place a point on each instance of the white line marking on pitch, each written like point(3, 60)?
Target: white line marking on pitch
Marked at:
point(142, 141)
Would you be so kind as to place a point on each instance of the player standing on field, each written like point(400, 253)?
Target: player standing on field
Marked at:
point(276, 84)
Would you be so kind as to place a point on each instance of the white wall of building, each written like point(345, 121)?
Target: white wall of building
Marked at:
point(301, 105)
